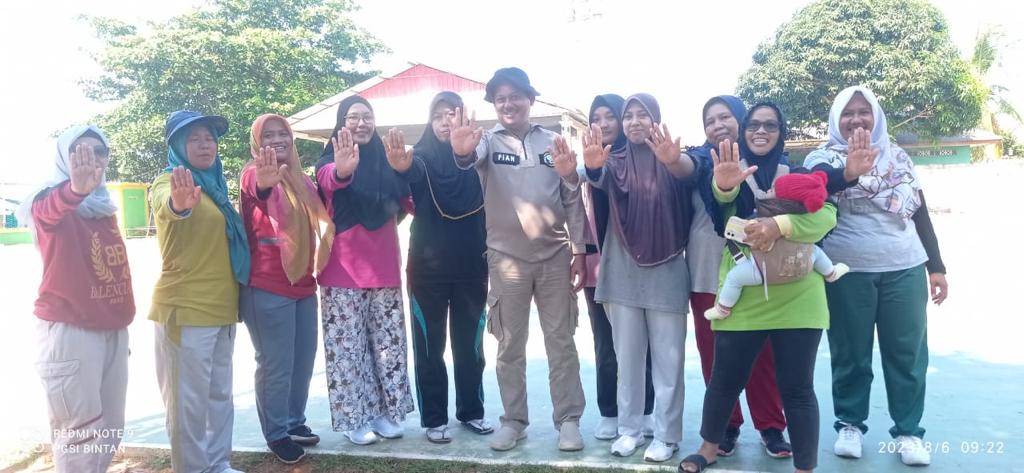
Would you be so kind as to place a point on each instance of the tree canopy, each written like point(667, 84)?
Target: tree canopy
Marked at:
point(235, 58)
point(901, 49)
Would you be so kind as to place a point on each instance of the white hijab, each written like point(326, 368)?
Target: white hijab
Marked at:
point(891, 184)
point(96, 205)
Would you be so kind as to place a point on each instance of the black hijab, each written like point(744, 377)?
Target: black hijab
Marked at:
point(767, 166)
point(456, 192)
point(372, 199)
point(599, 198)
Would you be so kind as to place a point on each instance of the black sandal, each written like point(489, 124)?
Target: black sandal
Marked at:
point(698, 460)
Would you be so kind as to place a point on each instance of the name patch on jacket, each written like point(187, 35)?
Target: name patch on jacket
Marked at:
point(505, 158)
point(546, 159)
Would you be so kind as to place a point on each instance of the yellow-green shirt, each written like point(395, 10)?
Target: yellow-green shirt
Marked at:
point(799, 304)
point(197, 286)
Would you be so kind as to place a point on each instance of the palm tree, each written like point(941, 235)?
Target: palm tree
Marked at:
point(987, 49)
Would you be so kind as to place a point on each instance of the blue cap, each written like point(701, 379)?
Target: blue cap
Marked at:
point(182, 118)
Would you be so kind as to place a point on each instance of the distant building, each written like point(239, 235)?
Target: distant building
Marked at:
point(400, 100)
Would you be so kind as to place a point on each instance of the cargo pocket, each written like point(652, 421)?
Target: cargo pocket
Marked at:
point(494, 314)
point(574, 312)
point(59, 379)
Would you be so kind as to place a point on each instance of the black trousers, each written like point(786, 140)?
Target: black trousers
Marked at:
point(795, 351)
point(607, 365)
point(432, 303)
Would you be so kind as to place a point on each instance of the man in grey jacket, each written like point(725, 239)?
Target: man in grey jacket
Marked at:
point(535, 223)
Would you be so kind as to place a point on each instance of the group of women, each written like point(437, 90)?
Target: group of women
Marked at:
point(655, 217)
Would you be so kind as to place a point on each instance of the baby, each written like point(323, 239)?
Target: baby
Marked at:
point(787, 260)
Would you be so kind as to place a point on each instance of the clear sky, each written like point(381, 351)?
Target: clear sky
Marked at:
point(682, 52)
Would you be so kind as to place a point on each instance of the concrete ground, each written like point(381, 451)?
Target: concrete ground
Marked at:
point(974, 402)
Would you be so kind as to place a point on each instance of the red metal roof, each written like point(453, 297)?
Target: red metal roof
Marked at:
point(417, 78)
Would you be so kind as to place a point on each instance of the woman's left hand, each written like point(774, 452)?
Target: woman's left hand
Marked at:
point(938, 286)
point(761, 235)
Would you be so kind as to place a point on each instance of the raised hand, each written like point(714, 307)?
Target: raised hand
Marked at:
point(399, 158)
point(185, 194)
point(465, 135)
point(268, 172)
point(595, 152)
point(667, 151)
point(346, 154)
point(86, 169)
point(728, 173)
point(564, 158)
point(860, 156)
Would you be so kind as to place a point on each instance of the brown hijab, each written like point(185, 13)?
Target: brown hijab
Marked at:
point(651, 208)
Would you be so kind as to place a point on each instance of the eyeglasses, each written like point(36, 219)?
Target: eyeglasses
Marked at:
point(355, 119)
point(769, 127)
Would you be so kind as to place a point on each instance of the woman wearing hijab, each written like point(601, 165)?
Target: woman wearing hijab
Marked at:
point(283, 217)
point(885, 290)
point(794, 314)
point(361, 296)
point(722, 116)
point(606, 113)
point(195, 302)
point(645, 283)
point(447, 272)
point(85, 303)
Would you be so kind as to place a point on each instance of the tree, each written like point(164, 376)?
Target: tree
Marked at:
point(236, 58)
point(986, 54)
point(901, 49)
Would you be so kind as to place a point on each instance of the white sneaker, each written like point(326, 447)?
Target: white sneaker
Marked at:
point(839, 270)
point(387, 428)
point(626, 445)
point(850, 442)
point(232, 470)
point(648, 428)
point(912, 451)
point(660, 451)
point(362, 436)
point(607, 429)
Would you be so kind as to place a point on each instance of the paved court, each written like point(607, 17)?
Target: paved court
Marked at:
point(975, 404)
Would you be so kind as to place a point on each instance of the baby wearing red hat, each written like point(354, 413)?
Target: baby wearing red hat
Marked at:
point(787, 260)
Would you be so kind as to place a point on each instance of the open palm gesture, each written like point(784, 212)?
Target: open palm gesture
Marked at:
point(595, 152)
point(86, 170)
point(185, 194)
point(465, 135)
point(666, 150)
point(564, 158)
point(860, 156)
point(728, 171)
point(399, 158)
point(268, 172)
point(346, 154)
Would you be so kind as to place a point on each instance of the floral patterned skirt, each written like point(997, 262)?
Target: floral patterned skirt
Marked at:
point(366, 354)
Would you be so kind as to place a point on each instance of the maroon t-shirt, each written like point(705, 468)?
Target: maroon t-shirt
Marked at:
point(86, 280)
point(267, 270)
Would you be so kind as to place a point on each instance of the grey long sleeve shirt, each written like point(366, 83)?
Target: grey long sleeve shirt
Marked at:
point(532, 212)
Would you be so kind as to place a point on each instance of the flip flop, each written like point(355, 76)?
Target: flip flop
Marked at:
point(695, 459)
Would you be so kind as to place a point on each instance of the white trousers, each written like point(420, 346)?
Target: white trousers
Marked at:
point(193, 365)
point(633, 329)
